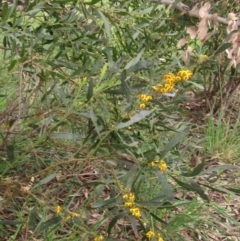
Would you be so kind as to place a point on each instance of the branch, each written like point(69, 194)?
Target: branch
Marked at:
point(191, 11)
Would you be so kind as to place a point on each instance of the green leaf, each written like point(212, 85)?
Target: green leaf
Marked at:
point(33, 218)
point(114, 92)
point(13, 7)
point(103, 72)
point(136, 118)
point(150, 155)
point(222, 48)
point(157, 218)
point(219, 168)
point(166, 189)
point(12, 65)
point(234, 190)
point(124, 86)
point(92, 2)
point(199, 86)
point(5, 12)
point(197, 188)
point(114, 221)
point(135, 60)
point(105, 202)
point(152, 204)
point(10, 153)
point(10, 222)
point(192, 186)
point(105, 22)
point(134, 223)
point(67, 136)
point(174, 141)
point(198, 169)
point(90, 90)
point(50, 222)
point(140, 65)
point(46, 180)
point(94, 121)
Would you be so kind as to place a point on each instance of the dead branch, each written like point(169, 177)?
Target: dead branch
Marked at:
point(192, 11)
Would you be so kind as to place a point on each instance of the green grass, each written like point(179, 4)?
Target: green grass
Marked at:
point(222, 138)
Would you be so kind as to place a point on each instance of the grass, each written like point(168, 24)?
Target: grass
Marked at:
point(222, 138)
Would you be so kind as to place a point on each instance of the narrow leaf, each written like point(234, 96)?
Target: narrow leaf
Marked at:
point(46, 180)
point(174, 141)
point(134, 223)
point(166, 189)
point(10, 222)
point(10, 153)
point(198, 169)
point(140, 65)
point(94, 121)
point(135, 60)
point(222, 48)
point(124, 87)
point(50, 222)
point(136, 118)
point(106, 23)
point(157, 218)
point(114, 221)
point(105, 202)
point(67, 136)
point(90, 90)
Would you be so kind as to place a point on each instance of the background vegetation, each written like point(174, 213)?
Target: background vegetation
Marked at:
point(106, 133)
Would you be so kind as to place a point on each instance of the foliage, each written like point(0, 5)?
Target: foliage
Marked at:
point(94, 145)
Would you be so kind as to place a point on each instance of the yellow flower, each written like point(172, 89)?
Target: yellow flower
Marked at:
point(150, 234)
point(58, 209)
point(142, 96)
point(169, 77)
point(129, 204)
point(129, 197)
point(6, 127)
point(155, 88)
point(76, 215)
point(166, 88)
point(202, 58)
point(99, 238)
point(162, 166)
point(68, 217)
point(135, 212)
point(148, 98)
point(145, 98)
point(177, 78)
point(160, 237)
point(185, 74)
point(129, 127)
point(142, 105)
point(154, 163)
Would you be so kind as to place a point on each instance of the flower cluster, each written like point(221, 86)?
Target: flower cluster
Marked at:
point(150, 234)
point(99, 238)
point(129, 199)
point(6, 126)
point(202, 58)
point(69, 216)
point(185, 74)
point(161, 164)
point(144, 99)
point(58, 209)
point(170, 80)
